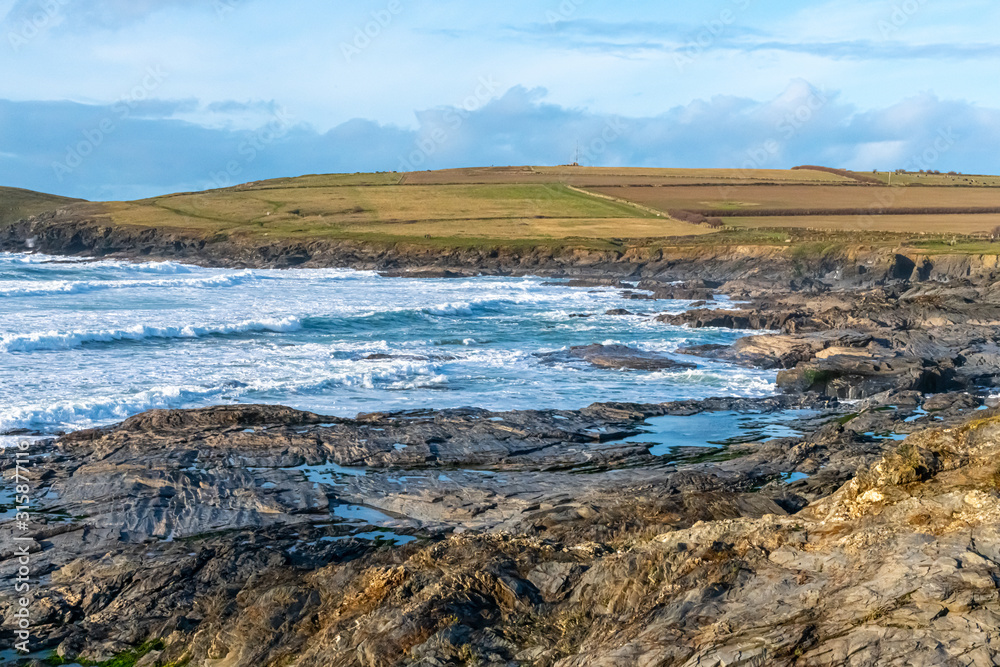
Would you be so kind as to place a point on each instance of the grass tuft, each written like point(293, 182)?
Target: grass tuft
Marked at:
point(124, 659)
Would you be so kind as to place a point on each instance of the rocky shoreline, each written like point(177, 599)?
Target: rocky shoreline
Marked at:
point(65, 232)
point(258, 535)
point(854, 522)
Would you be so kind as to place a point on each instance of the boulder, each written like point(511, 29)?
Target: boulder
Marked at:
point(852, 377)
point(619, 357)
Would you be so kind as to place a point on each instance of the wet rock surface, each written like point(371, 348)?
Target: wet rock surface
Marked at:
point(850, 519)
point(931, 338)
point(260, 534)
point(619, 357)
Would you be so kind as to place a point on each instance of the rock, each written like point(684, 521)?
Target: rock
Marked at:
point(151, 659)
point(618, 357)
point(786, 351)
point(427, 273)
point(851, 377)
point(265, 535)
point(732, 319)
point(553, 579)
point(591, 282)
point(205, 518)
point(389, 357)
point(942, 402)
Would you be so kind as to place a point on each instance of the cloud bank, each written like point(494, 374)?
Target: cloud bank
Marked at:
point(135, 149)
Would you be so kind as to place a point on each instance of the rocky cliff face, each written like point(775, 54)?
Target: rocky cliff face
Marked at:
point(66, 231)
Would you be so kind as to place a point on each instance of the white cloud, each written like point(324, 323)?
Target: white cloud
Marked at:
point(433, 52)
point(597, 63)
point(803, 125)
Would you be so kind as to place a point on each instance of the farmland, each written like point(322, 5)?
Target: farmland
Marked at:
point(585, 207)
point(934, 180)
point(915, 224)
point(332, 208)
point(607, 176)
point(747, 199)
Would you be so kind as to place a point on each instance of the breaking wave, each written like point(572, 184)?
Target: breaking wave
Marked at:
point(56, 340)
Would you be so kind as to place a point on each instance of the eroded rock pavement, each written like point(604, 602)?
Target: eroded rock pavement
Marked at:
point(851, 519)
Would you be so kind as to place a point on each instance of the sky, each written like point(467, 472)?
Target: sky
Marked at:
point(123, 99)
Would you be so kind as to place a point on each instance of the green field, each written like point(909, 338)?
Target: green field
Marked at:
point(326, 207)
point(16, 204)
point(585, 207)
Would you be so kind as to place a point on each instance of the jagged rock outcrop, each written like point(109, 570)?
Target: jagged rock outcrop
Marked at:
point(620, 357)
point(897, 566)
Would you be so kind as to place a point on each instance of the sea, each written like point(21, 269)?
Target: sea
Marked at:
point(86, 343)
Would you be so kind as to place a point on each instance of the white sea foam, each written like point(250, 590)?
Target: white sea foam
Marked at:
point(484, 304)
point(447, 343)
point(81, 413)
point(104, 410)
point(456, 308)
point(361, 374)
point(64, 340)
point(140, 267)
point(20, 288)
point(729, 381)
point(91, 263)
point(35, 258)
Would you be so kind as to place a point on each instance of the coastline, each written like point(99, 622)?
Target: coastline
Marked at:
point(845, 263)
point(557, 537)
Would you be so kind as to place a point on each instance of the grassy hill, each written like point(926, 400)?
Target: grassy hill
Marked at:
point(381, 207)
point(586, 207)
point(16, 204)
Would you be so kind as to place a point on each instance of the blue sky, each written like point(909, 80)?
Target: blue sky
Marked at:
point(108, 99)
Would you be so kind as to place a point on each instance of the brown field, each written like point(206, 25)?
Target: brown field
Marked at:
point(916, 224)
point(549, 228)
point(936, 180)
point(594, 206)
point(612, 176)
point(737, 198)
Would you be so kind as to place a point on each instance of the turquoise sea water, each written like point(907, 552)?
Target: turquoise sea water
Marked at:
point(91, 342)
